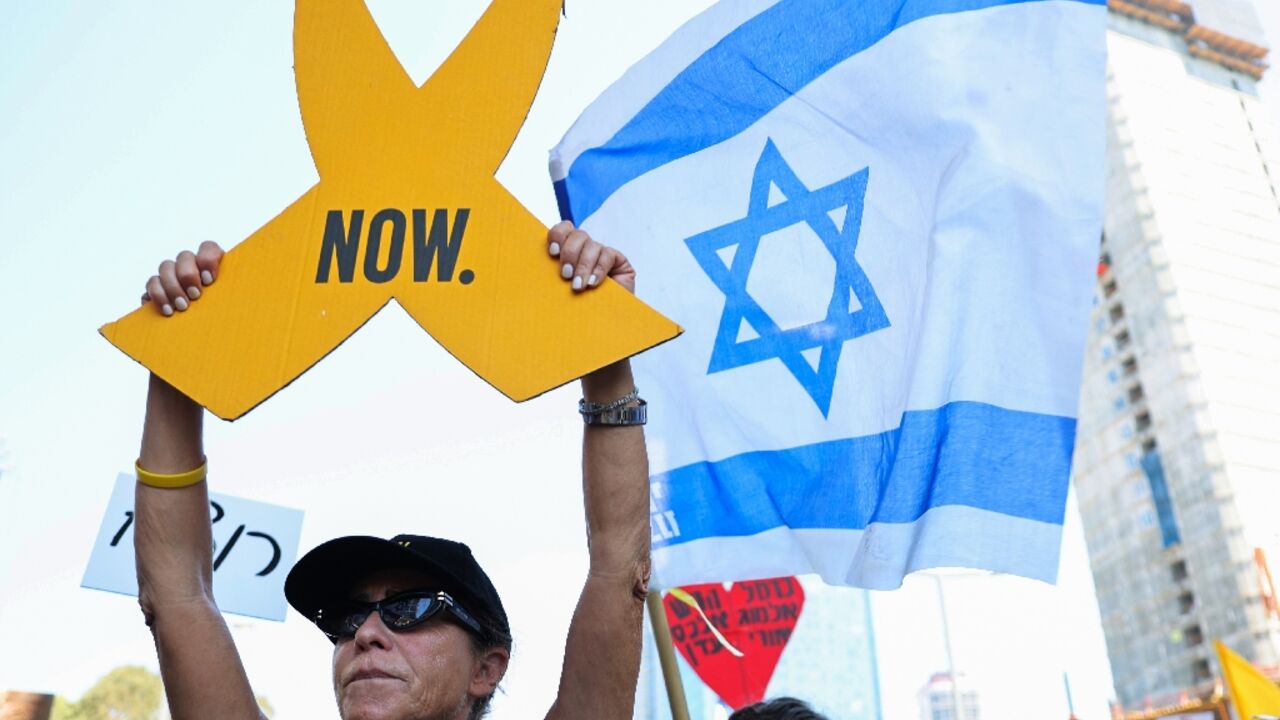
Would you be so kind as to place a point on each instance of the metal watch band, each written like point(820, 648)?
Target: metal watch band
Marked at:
point(618, 417)
point(589, 408)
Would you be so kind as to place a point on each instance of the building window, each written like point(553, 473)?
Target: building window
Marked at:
point(1148, 446)
point(1179, 570)
point(1136, 393)
point(1130, 365)
point(1109, 289)
point(1122, 339)
point(1194, 636)
point(1200, 670)
point(1186, 602)
point(1117, 313)
point(1143, 421)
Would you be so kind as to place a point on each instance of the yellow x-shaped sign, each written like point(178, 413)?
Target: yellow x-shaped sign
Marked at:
point(407, 207)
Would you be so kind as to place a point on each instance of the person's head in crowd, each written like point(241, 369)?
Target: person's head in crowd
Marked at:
point(417, 626)
point(782, 708)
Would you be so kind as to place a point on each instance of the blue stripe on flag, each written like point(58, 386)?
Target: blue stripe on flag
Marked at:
point(738, 81)
point(965, 453)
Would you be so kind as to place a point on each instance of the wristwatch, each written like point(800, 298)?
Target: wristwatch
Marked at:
point(619, 416)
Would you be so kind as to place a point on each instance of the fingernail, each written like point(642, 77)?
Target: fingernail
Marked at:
point(566, 272)
point(555, 249)
point(166, 310)
point(592, 280)
point(206, 277)
point(577, 283)
point(180, 303)
point(193, 292)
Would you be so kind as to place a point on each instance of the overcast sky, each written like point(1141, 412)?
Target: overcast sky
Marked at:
point(133, 129)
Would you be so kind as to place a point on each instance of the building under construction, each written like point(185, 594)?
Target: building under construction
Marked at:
point(1177, 465)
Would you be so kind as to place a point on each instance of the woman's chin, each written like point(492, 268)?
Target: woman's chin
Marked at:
point(372, 700)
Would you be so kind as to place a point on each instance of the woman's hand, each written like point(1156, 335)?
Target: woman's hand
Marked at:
point(585, 263)
point(180, 282)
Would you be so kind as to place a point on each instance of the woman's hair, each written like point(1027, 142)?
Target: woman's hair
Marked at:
point(494, 636)
point(783, 708)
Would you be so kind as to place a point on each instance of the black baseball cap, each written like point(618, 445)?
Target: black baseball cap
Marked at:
point(332, 569)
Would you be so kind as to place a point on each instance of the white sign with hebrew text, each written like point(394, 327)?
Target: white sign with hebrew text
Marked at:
point(254, 545)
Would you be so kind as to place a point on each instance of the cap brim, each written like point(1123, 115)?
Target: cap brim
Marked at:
point(332, 569)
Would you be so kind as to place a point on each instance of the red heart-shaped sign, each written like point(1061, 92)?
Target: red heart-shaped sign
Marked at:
point(756, 617)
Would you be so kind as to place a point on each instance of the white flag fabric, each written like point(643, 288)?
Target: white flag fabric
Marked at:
point(878, 222)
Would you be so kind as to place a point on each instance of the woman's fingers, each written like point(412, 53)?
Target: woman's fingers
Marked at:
point(208, 260)
point(604, 265)
point(177, 295)
point(556, 237)
point(156, 294)
point(621, 270)
point(584, 275)
point(179, 282)
point(570, 250)
point(585, 263)
point(188, 274)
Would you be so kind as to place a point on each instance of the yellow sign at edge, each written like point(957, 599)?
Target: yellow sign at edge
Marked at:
point(407, 208)
point(1253, 693)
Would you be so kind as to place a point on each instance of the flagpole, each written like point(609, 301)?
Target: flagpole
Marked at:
point(667, 657)
point(946, 641)
point(1071, 706)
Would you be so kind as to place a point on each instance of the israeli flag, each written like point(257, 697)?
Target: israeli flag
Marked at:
point(878, 222)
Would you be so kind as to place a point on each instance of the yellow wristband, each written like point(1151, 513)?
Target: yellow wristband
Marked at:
point(178, 480)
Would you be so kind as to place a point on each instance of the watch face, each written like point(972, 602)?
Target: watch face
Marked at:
point(614, 413)
point(619, 416)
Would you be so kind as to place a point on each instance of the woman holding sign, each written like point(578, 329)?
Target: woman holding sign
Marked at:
point(418, 629)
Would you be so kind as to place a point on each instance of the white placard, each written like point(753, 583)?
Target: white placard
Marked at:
point(254, 545)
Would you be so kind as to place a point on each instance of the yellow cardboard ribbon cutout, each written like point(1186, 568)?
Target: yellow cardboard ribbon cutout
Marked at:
point(684, 597)
point(407, 207)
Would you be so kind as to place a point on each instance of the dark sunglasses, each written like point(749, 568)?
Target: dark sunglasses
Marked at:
point(399, 613)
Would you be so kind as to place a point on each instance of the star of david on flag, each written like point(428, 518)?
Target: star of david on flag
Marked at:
point(878, 222)
point(854, 309)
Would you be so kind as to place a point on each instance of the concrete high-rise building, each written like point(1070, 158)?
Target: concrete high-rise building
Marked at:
point(1177, 465)
point(830, 662)
point(937, 700)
